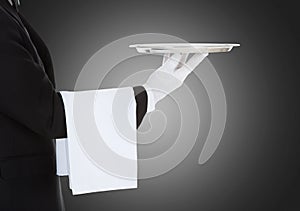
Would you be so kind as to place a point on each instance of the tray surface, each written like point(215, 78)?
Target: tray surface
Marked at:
point(162, 48)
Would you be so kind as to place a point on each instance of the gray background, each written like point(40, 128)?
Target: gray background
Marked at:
point(256, 166)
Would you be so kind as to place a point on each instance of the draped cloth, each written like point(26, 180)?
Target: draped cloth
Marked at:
point(100, 151)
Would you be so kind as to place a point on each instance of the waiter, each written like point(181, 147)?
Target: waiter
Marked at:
point(32, 112)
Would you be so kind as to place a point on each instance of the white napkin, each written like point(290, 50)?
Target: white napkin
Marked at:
point(100, 153)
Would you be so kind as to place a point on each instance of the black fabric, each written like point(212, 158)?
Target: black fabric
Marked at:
point(141, 103)
point(29, 183)
point(31, 116)
point(27, 166)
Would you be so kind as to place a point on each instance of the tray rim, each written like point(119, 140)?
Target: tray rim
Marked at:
point(193, 45)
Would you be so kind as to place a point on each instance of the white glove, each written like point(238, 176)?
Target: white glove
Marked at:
point(170, 76)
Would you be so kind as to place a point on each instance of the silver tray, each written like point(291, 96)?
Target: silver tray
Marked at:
point(163, 48)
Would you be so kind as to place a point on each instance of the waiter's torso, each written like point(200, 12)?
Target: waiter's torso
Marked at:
point(16, 138)
point(27, 158)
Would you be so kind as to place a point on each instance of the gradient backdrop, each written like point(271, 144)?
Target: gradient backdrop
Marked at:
point(256, 166)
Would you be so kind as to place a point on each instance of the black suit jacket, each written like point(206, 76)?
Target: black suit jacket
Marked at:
point(31, 116)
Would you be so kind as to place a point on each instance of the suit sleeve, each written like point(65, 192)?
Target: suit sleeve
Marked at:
point(26, 93)
point(42, 49)
point(139, 91)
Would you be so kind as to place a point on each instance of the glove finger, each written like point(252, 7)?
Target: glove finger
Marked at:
point(195, 60)
point(173, 62)
point(166, 57)
point(182, 60)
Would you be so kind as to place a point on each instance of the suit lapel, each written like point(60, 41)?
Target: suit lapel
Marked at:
point(15, 16)
point(12, 12)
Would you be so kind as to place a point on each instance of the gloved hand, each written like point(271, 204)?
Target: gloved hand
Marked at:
point(170, 76)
